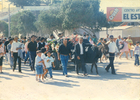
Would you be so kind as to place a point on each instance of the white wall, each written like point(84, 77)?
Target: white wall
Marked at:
point(134, 32)
point(115, 33)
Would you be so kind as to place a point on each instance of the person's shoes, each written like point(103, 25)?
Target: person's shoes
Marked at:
point(24, 63)
point(13, 70)
point(51, 77)
point(85, 74)
point(11, 66)
point(66, 75)
point(106, 69)
point(45, 76)
point(20, 72)
point(36, 79)
point(1, 72)
point(39, 80)
point(43, 80)
point(31, 69)
point(77, 73)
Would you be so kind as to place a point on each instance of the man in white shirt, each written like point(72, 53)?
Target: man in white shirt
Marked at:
point(14, 53)
point(112, 49)
point(80, 55)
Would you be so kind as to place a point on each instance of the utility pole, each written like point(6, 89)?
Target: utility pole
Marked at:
point(2, 5)
point(9, 26)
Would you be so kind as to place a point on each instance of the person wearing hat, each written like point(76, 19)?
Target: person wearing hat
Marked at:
point(112, 49)
point(130, 42)
point(125, 48)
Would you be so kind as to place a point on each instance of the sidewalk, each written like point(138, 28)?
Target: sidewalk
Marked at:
point(105, 86)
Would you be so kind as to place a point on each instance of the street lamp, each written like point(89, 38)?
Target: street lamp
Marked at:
point(9, 27)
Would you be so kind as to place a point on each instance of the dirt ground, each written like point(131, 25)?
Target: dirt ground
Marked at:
point(105, 86)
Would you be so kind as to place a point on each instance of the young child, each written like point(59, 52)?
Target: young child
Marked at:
point(43, 57)
point(39, 66)
point(1, 56)
point(48, 63)
point(136, 53)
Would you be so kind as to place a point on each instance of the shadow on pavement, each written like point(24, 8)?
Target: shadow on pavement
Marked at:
point(61, 84)
point(103, 75)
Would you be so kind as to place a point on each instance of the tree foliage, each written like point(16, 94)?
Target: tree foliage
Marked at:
point(79, 13)
point(70, 15)
point(4, 28)
point(23, 22)
point(49, 20)
point(21, 3)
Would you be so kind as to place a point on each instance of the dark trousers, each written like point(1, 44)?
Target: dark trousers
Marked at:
point(32, 58)
point(15, 55)
point(136, 59)
point(80, 63)
point(23, 54)
point(26, 57)
point(111, 64)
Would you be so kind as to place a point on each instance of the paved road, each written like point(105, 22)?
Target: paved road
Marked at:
point(123, 86)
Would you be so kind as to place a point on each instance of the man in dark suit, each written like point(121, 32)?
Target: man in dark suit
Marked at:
point(80, 55)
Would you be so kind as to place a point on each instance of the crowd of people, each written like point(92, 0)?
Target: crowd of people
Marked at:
point(38, 52)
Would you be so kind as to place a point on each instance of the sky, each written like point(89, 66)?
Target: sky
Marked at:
point(118, 3)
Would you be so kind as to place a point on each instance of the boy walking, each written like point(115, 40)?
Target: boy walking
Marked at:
point(48, 63)
point(136, 53)
point(39, 66)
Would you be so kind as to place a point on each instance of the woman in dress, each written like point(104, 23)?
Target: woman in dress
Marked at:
point(125, 48)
